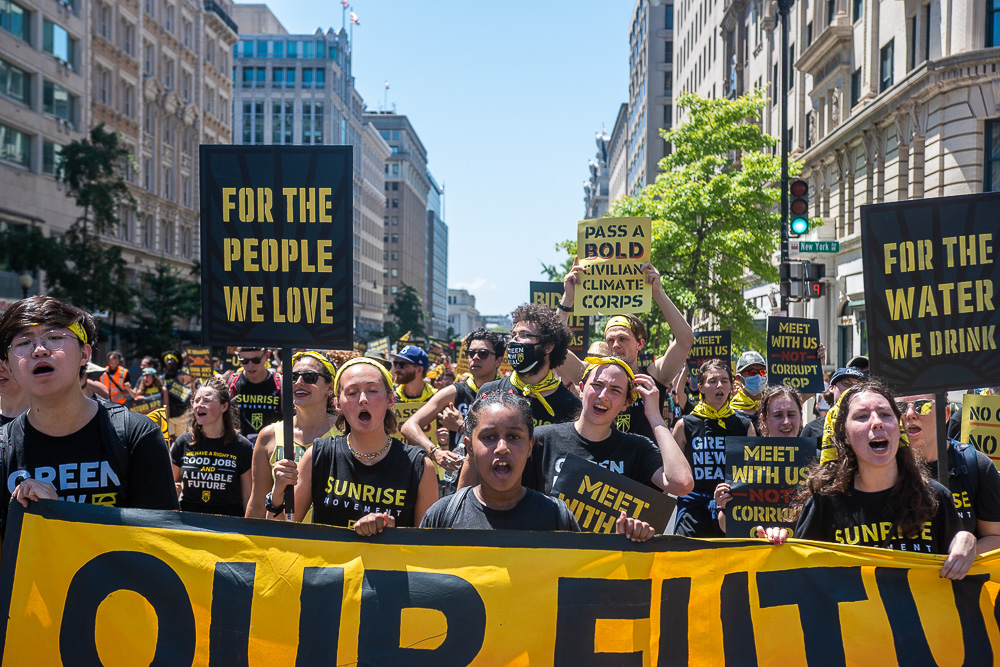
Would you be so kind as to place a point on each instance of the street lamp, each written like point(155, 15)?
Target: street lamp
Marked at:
point(26, 282)
point(784, 8)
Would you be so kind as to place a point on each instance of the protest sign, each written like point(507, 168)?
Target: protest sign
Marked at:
point(277, 249)
point(930, 275)
point(199, 362)
point(99, 585)
point(981, 424)
point(762, 475)
point(792, 358)
point(405, 410)
point(231, 359)
point(596, 497)
point(612, 252)
point(549, 294)
point(380, 346)
point(462, 364)
point(709, 345)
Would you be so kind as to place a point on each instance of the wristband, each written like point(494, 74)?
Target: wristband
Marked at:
point(269, 506)
point(565, 309)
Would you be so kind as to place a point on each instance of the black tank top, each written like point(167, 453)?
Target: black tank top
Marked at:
point(634, 420)
point(564, 404)
point(464, 398)
point(344, 489)
point(705, 448)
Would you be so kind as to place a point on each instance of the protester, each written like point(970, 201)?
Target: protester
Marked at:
point(539, 343)
point(484, 350)
point(409, 366)
point(13, 401)
point(365, 480)
point(751, 378)
point(701, 435)
point(150, 394)
point(211, 460)
point(116, 380)
point(973, 479)
point(256, 390)
point(89, 383)
point(780, 417)
point(869, 490)
point(860, 362)
point(46, 345)
point(626, 336)
point(841, 380)
point(178, 393)
point(312, 396)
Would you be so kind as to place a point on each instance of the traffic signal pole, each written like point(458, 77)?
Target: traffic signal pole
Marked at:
point(784, 8)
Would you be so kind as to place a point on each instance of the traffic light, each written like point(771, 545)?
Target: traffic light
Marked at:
point(814, 285)
point(798, 207)
point(792, 275)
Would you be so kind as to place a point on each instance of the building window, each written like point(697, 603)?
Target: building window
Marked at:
point(14, 146)
point(282, 117)
point(148, 232)
point(147, 176)
point(15, 19)
point(51, 157)
point(128, 100)
point(253, 122)
point(393, 289)
point(14, 82)
point(168, 237)
point(57, 101)
point(168, 18)
point(312, 122)
point(104, 21)
point(278, 49)
point(385, 134)
point(293, 50)
point(148, 58)
point(992, 23)
point(320, 78)
point(168, 72)
point(261, 77)
point(855, 87)
point(809, 33)
point(261, 48)
point(56, 41)
point(307, 49)
point(912, 42)
point(394, 273)
point(395, 221)
point(186, 190)
point(395, 203)
point(395, 169)
point(669, 14)
point(395, 255)
point(395, 238)
point(127, 37)
point(307, 77)
point(831, 11)
point(168, 191)
point(859, 7)
point(248, 49)
point(885, 66)
point(992, 161)
point(290, 77)
point(187, 33)
point(186, 244)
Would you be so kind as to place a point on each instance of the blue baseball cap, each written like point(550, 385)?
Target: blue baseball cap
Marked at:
point(414, 355)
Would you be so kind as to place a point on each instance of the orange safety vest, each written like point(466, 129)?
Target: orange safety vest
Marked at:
point(116, 385)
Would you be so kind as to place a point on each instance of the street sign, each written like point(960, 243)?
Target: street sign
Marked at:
point(815, 246)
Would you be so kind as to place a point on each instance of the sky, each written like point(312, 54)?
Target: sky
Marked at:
point(506, 98)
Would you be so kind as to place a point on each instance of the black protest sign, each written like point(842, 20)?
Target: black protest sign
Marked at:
point(710, 345)
point(792, 354)
point(549, 294)
point(762, 475)
point(277, 245)
point(199, 362)
point(596, 497)
point(930, 274)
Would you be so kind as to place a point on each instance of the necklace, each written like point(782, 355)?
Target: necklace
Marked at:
point(368, 457)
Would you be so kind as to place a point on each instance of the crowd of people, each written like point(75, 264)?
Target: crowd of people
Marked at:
point(77, 431)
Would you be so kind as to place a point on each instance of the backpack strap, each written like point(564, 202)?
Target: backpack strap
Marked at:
point(451, 512)
point(233, 379)
point(966, 464)
point(113, 438)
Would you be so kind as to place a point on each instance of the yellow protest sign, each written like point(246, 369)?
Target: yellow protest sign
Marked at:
point(612, 252)
point(406, 410)
point(981, 424)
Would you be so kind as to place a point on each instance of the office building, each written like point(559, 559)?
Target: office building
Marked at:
point(463, 317)
point(595, 188)
point(437, 262)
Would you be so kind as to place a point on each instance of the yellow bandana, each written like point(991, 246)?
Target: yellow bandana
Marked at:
point(618, 321)
point(828, 448)
point(548, 383)
point(171, 356)
point(594, 362)
point(76, 328)
point(360, 360)
point(706, 411)
point(425, 395)
point(312, 354)
point(742, 401)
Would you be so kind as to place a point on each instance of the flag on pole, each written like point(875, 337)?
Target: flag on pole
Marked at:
point(387, 85)
point(345, 4)
point(354, 19)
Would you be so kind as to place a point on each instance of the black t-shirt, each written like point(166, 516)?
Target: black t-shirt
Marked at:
point(4, 419)
point(535, 511)
point(259, 402)
point(861, 518)
point(82, 467)
point(634, 420)
point(344, 489)
point(976, 494)
point(178, 394)
point(210, 473)
point(564, 404)
point(464, 398)
point(813, 429)
point(627, 454)
point(705, 448)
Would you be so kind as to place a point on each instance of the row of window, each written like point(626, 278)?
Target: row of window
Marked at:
point(56, 41)
point(283, 123)
point(127, 220)
point(56, 100)
point(15, 146)
point(282, 77)
point(290, 48)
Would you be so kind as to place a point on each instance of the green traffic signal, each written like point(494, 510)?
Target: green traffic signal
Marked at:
point(800, 225)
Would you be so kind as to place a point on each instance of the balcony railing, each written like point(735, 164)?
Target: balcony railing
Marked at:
point(216, 8)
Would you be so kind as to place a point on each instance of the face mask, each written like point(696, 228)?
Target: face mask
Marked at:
point(522, 356)
point(754, 384)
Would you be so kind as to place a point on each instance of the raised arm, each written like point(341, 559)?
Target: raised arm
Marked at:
point(413, 428)
point(572, 369)
point(675, 475)
point(666, 367)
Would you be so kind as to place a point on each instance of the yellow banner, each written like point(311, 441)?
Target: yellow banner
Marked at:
point(981, 424)
point(105, 586)
point(612, 252)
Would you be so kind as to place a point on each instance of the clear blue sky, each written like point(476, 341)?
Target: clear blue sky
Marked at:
point(506, 98)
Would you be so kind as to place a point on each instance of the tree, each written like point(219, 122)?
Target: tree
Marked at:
point(408, 314)
point(557, 272)
point(713, 210)
point(163, 295)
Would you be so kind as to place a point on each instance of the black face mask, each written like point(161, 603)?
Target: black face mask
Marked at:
point(522, 356)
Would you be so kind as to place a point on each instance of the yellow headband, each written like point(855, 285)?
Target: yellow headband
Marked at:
point(75, 327)
point(618, 321)
point(828, 449)
point(594, 362)
point(362, 360)
point(171, 356)
point(313, 354)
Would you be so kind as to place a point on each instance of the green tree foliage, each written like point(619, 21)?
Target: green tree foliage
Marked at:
point(408, 313)
point(23, 248)
point(163, 295)
point(557, 272)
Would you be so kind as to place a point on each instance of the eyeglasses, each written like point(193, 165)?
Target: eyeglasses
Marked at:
point(921, 406)
point(24, 346)
point(750, 372)
point(309, 377)
point(244, 361)
point(479, 354)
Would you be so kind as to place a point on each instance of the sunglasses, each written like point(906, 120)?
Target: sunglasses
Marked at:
point(250, 360)
point(921, 406)
point(309, 377)
point(479, 354)
point(750, 372)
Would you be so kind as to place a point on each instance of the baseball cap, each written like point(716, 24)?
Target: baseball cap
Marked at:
point(91, 367)
point(414, 355)
point(149, 371)
point(860, 359)
point(372, 354)
point(749, 358)
point(849, 372)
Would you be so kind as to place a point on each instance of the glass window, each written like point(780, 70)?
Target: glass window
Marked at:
point(290, 77)
point(395, 238)
point(14, 146)
point(385, 134)
point(395, 134)
point(247, 77)
point(395, 169)
point(885, 68)
point(831, 11)
point(261, 48)
point(51, 157)
point(278, 76)
point(992, 161)
point(58, 42)
point(261, 76)
point(320, 78)
point(333, 53)
point(307, 49)
point(248, 49)
point(56, 100)
point(293, 49)
point(856, 87)
point(669, 25)
point(307, 77)
point(15, 19)
point(321, 49)
point(992, 23)
point(858, 6)
point(14, 82)
point(278, 49)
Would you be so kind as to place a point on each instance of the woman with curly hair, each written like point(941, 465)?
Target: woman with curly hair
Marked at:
point(211, 460)
point(869, 490)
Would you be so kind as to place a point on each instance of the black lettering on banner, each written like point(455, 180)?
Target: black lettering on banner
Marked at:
point(817, 592)
point(384, 596)
point(232, 600)
point(581, 602)
point(319, 616)
point(675, 596)
point(974, 636)
point(132, 571)
point(908, 635)
point(737, 625)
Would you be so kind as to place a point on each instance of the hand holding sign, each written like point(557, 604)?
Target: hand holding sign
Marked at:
point(613, 256)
